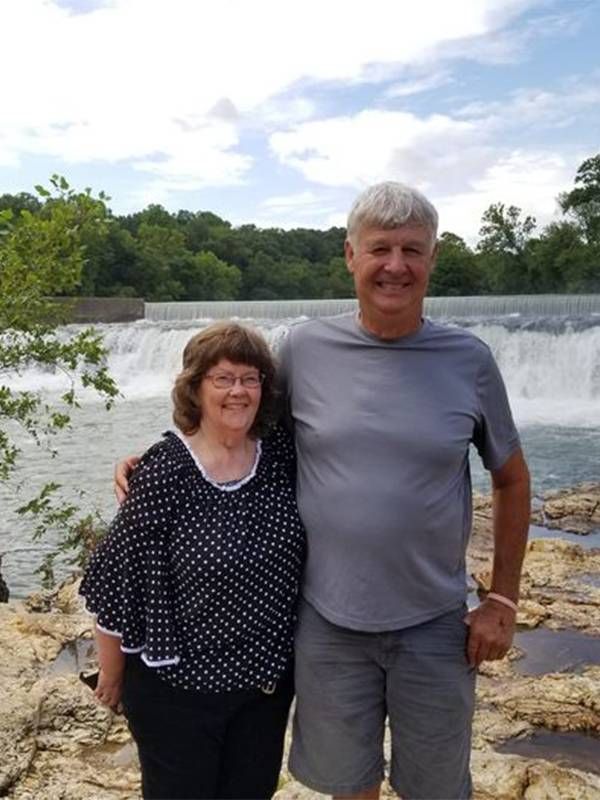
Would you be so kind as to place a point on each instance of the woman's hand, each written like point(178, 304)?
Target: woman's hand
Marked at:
point(123, 471)
point(111, 660)
point(109, 689)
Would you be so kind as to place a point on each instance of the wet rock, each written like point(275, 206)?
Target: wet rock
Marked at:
point(557, 586)
point(563, 702)
point(576, 510)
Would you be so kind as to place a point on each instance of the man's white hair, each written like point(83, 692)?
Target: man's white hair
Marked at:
point(389, 205)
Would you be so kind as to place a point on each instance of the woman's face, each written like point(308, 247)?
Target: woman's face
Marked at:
point(229, 408)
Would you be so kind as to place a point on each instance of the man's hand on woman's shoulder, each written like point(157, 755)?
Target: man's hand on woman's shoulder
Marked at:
point(122, 474)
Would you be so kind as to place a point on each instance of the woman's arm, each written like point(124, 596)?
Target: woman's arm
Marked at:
point(112, 666)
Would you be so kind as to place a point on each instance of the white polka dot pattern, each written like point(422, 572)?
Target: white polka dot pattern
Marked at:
point(203, 582)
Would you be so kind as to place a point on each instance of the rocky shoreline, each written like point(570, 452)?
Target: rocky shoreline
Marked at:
point(57, 743)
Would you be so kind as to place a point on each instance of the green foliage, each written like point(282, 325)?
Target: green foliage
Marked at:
point(457, 271)
point(504, 248)
point(205, 277)
point(42, 253)
point(77, 535)
point(583, 202)
point(197, 255)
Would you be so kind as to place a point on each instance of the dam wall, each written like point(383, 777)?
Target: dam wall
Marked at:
point(104, 309)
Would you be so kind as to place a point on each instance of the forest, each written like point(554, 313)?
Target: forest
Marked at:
point(195, 255)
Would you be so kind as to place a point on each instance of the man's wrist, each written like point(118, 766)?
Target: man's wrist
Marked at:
point(503, 600)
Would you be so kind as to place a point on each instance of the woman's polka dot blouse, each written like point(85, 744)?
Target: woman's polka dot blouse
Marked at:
point(200, 578)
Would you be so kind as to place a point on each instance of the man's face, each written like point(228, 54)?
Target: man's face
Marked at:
point(391, 271)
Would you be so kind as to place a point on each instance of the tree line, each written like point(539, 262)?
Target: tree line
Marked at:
point(164, 256)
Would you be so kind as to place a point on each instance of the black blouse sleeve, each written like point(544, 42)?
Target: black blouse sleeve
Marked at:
point(127, 582)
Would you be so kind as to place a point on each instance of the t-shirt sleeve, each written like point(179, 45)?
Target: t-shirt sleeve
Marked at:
point(126, 583)
point(495, 437)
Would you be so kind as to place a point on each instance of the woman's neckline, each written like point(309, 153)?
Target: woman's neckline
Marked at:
point(224, 486)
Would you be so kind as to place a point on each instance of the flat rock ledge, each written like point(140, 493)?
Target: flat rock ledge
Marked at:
point(57, 743)
point(576, 510)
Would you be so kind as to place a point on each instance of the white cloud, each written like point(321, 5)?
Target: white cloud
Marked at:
point(380, 145)
point(160, 84)
point(285, 202)
point(425, 83)
point(301, 209)
point(529, 180)
point(486, 153)
point(538, 107)
point(185, 93)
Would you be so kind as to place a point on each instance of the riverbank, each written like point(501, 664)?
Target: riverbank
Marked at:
point(57, 743)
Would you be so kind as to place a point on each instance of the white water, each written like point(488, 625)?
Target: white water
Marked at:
point(552, 377)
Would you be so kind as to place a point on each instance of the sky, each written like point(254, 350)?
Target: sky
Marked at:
point(278, 112)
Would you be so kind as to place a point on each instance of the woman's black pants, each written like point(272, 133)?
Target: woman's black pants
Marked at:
point(194, 745)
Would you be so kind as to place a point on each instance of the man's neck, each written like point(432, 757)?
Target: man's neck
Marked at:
point(384, 327)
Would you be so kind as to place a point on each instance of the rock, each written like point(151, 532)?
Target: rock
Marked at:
point(562, 702)
point(63, 598)
point(497, 777)
point(576, 510)
point(555, 783)
point(502, 777)
point(18, 744)
point(50, 722)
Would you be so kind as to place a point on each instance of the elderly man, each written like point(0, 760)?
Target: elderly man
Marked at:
point(385, 405)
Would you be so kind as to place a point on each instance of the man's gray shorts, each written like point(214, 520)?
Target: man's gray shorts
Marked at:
point(348, 681)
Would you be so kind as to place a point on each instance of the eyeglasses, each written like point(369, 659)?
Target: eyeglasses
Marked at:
point(226, 380)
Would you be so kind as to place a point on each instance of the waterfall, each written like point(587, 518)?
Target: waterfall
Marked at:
point(436, 307)
point(552, 372)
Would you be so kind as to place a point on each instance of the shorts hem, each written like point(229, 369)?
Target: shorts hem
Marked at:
point(333, 788)
point(401, 791)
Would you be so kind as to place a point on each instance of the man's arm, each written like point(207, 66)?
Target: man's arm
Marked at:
point(492, 625)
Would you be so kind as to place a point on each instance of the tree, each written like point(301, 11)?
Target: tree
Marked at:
point(337, 280)
point(561, 261)
point(457, 272)
point(504, 247)
point(583, 202)
point(23, 201)
point(111, 267)
point(161, 253)
point(41, 255)
point(205, 277)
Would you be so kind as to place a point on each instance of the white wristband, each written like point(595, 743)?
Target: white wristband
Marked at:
point(499, 598)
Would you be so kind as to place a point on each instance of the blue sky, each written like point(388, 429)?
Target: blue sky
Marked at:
point(279, 112)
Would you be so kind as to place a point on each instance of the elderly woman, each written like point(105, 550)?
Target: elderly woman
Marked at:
point(194, 589)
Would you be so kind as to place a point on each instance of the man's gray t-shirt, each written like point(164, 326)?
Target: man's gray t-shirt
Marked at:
point(383, 429)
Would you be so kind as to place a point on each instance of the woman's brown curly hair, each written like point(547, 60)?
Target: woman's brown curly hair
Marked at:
point(238, 344)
